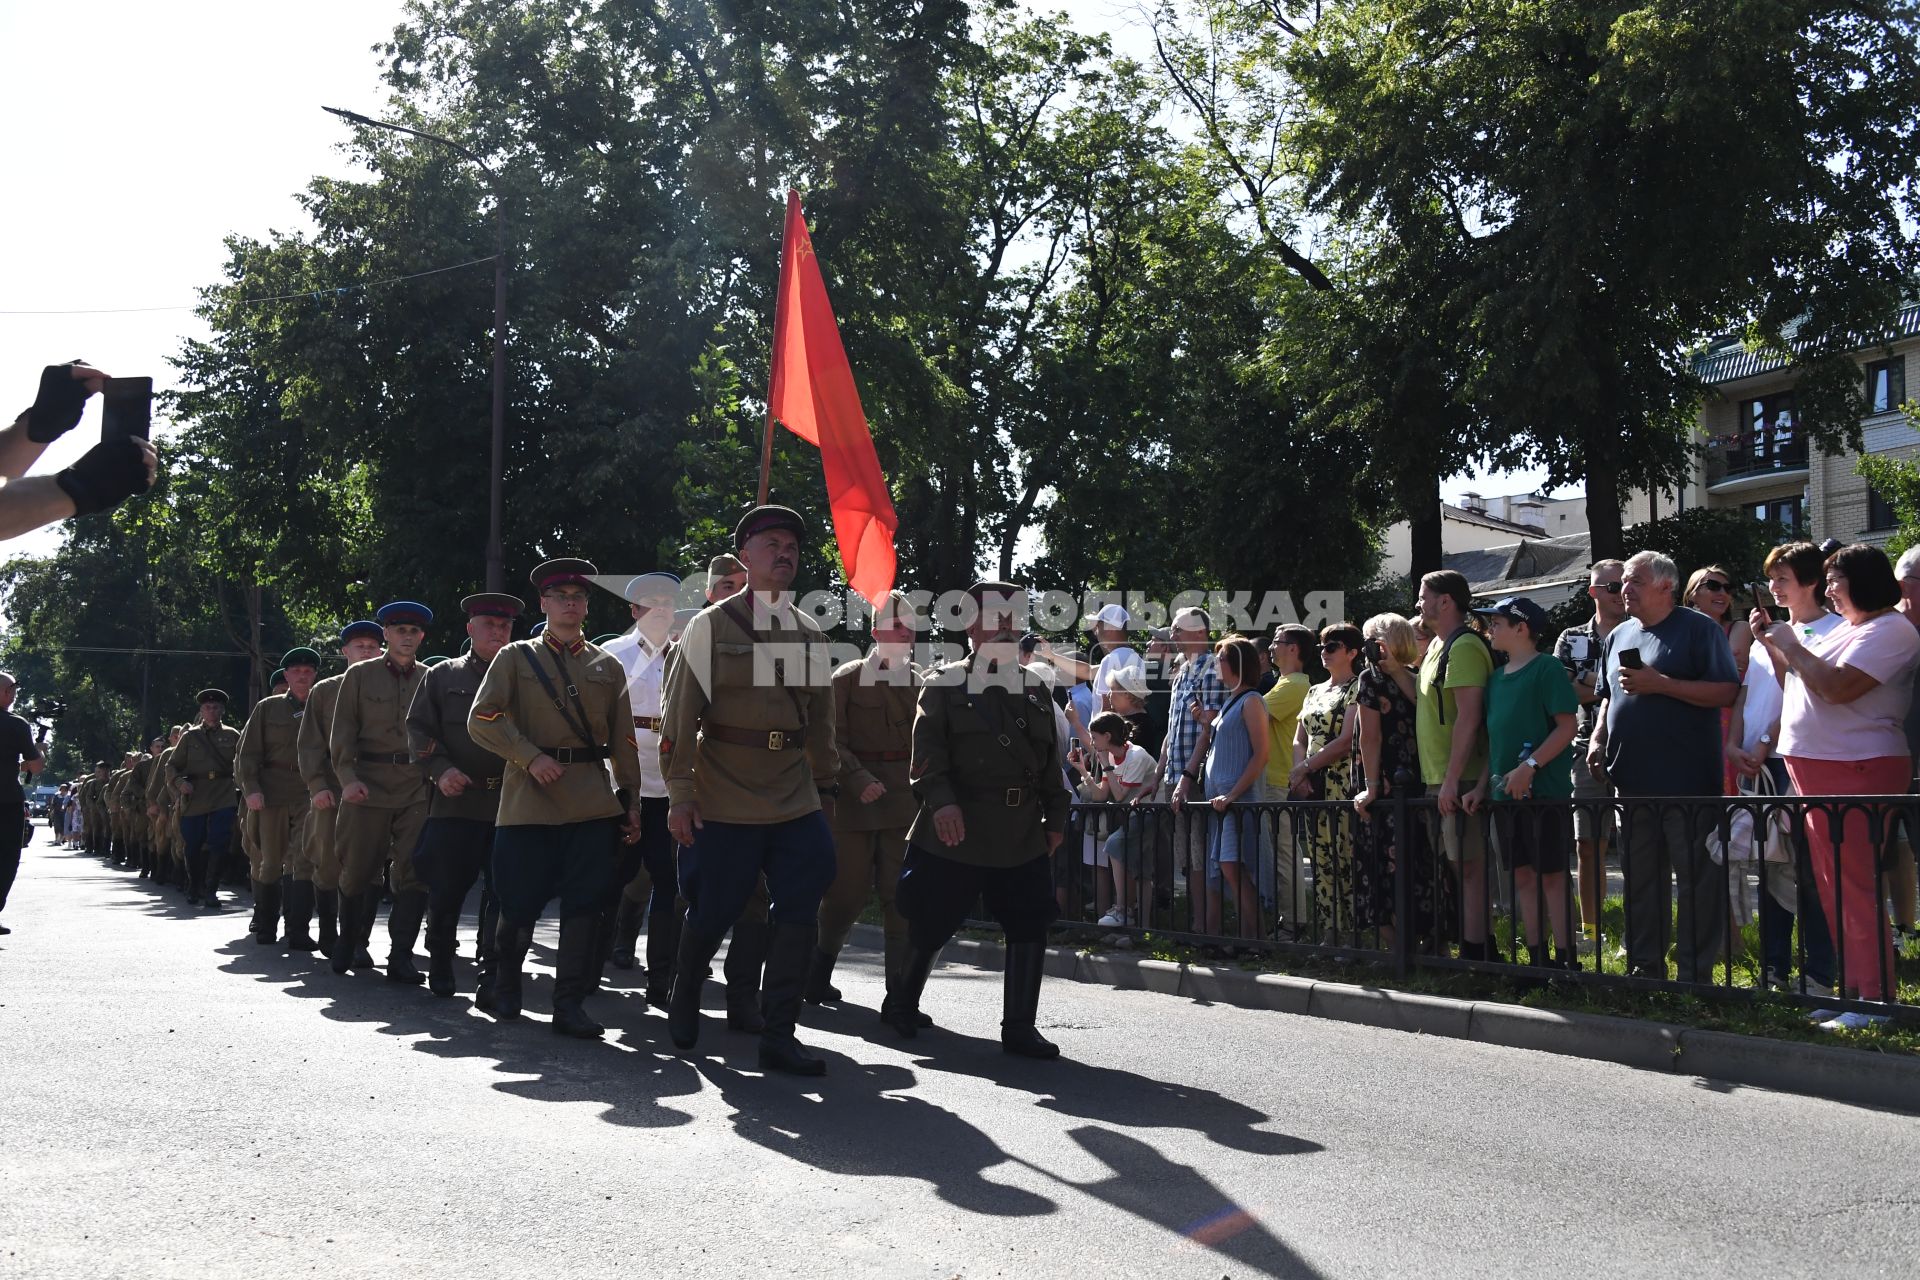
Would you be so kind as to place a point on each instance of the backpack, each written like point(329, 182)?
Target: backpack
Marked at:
point(1446, 655)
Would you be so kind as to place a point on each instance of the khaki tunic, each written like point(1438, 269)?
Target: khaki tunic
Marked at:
point(204, 757)
point(715, 680)
point(873, 714)
point(958, 759)
point(269, 759)
point(513, 718)
point(316, 757)
point(370, 718)
point(437, 730)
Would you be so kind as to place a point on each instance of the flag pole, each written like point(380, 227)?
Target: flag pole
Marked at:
point(766, 458)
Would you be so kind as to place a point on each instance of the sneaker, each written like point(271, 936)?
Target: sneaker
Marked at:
point(1821, 1017)
point(1773, 980)
point(1808, 987)
point(1851, 1021)
point(1116, 918)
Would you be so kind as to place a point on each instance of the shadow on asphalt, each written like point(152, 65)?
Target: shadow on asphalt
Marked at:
point(858, 1120)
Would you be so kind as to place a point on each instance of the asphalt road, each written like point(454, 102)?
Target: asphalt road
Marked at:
point(179, 1102)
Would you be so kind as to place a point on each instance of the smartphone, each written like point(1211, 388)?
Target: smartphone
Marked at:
point(1073, 745)
point(1630, 659)
point(126, 408)
point(1763, 597)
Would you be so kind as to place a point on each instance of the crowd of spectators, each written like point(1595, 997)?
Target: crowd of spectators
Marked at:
point(1541, 756)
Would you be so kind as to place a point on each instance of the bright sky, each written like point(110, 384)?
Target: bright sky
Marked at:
point(141, 134)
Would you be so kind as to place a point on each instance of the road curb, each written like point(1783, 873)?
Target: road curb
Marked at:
point(1834, 1072)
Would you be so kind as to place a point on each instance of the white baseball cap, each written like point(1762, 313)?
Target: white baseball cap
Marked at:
point(1109, 616)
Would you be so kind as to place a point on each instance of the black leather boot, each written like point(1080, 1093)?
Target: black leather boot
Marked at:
point(792, 951)
point(626, 933)
point(820, 988)
point(327, 905)
point(746, 957)
point(368, 913)
point(898, 947)
point(573, 966)
point(663, 940)
point(443, 926)
point(501, 996)
point(486, 943)
point(297, 900)
point(403, 927)
point(1026, 964)
point(346, 943)
point(266, 912)
point(901, 1009)
point(689, 975)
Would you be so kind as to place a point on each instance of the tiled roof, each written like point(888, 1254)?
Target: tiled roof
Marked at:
point(1450, 512)
point(1516, 566)
point(1727, 360)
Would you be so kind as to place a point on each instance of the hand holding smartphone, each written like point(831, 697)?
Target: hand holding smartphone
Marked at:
point(126, 408)
point(1630, 659)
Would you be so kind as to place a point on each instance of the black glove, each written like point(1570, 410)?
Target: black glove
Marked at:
point(106, 476)
point(56, 410)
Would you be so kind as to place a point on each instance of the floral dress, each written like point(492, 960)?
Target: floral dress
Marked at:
point(1377, 849)
point(1328, 833)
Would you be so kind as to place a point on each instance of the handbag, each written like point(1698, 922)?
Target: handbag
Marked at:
point(1739, 841)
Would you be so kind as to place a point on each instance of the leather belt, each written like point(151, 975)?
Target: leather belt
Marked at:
point(387, 757)
point(210, 777)
point(575, 755)
point(651, 723)
point(770, 739)
point(1012, 797)
point(884, 756)
point(274, 764)
point(488, 784)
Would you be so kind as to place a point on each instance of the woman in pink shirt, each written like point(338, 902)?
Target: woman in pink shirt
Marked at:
point(1845, 698)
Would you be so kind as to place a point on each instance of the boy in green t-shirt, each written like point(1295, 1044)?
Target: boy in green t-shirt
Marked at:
point(1531, 719)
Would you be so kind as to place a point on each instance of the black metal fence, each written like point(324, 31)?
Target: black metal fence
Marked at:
point(1501, 890)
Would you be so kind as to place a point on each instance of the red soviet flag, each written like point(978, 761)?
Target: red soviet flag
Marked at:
point(814, 396)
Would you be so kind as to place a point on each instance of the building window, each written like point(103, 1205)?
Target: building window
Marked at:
point(1769, 438)
point(1886, 385)
point(1880, 517)
point(1789, 512)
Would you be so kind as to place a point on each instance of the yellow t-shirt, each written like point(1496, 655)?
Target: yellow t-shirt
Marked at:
point(1283, 701)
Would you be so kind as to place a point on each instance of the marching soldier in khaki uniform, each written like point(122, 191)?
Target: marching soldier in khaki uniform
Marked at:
point(118, 814)
point(92, 836)
point(873, 710)
point(202, 772)
point(150, 844)
point(134, 798)
point(163, 806)
point(993, 808)
point(556, 709)
point(276, 800)
point(456, 845)
point(747, 744)
point(359, 641)
point(383, 795)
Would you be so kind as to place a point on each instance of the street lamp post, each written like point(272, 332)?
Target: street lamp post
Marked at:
point(496, 546)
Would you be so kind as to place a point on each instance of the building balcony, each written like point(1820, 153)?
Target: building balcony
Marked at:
point(1756, 459)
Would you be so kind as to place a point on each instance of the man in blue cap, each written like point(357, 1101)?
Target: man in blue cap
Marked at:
point(642, 652)
point(201, 769)
point(383, 795)
point(268, 766)
point(456, 844)
point(358, 642)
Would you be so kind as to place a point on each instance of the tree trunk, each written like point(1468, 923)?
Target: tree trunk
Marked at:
point(1424, 518)
point(1604, 526)
point(257, 676)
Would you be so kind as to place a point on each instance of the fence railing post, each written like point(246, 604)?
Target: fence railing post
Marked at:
point(1404, 851)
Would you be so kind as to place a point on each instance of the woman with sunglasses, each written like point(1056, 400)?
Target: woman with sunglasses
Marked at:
point(1323, 770)
point(1710, 591)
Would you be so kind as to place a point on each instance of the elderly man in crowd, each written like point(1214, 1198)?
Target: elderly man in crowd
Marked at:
point(1665, 673)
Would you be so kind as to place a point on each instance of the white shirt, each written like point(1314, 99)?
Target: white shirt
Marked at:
point(644, 666)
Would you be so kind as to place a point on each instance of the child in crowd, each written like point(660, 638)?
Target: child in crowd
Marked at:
point(1531, 720)
point(1117, 770)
